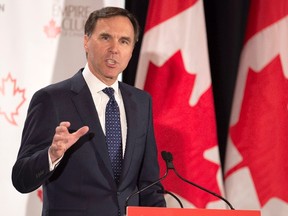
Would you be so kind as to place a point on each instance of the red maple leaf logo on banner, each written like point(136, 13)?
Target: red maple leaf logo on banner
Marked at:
point(261, 134)
point(52, 30)
point(40, 194)
point(11, 99)
point(186, 131)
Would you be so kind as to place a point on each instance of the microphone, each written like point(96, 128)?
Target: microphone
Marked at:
point(168, 158)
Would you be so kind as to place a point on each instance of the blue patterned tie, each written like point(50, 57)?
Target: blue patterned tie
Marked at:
point(113, 133)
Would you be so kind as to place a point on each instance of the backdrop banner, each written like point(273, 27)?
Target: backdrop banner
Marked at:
point(41, 43)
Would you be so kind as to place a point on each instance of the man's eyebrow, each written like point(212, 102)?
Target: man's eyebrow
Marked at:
point(104, 34)
point(126, 38)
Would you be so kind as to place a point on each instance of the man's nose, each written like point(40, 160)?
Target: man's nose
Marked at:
point(114, 47)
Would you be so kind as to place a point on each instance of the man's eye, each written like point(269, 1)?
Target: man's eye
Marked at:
point(124, 42)
point(104, 37)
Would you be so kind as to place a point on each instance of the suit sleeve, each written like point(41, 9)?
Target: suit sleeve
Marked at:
point(31, 169)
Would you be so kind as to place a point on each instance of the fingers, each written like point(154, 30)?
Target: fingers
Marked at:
point(62, 128)
point(63, 140)
point(65, 124)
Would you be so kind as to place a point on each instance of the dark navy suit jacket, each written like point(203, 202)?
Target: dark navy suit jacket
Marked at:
point(82, 183)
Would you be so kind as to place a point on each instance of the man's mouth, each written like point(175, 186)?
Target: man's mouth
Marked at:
point(111, 61)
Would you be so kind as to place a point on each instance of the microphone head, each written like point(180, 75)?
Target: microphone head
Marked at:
point(167, 156)
point(164, 155)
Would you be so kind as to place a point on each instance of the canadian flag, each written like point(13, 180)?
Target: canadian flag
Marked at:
point(256, 168)
point(174, 69)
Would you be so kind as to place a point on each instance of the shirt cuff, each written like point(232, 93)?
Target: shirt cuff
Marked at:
point(52, 166)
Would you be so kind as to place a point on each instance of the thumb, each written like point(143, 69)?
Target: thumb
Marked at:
point(81, 132)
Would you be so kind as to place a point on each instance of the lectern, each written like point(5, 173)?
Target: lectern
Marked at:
point(155, 211)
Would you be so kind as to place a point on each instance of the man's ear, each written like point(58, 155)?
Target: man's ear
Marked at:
point(86, 38)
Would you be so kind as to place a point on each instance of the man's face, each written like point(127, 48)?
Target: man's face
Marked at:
point(110, 47)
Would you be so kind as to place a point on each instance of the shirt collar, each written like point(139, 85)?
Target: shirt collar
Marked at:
point(94, 84)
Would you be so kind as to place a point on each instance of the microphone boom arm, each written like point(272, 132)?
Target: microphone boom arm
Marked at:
point(143, 189)
point(167, 156)
point(204, 189)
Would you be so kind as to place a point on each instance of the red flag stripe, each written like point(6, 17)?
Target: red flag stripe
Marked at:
point(261, 16)
point(164, 11)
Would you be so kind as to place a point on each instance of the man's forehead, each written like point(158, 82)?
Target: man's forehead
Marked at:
point(110, 25)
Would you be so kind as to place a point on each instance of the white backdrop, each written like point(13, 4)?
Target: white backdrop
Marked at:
point(41, 43)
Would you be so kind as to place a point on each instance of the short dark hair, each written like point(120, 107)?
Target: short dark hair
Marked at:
point(108, 12)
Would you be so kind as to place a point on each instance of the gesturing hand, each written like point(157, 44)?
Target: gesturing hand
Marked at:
point(63, 140)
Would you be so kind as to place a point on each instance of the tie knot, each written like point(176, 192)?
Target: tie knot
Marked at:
point(109, 91)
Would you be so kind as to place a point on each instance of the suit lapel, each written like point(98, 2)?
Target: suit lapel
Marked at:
point(85, 107)
point(130, 108)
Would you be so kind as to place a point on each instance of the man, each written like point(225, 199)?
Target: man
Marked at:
point(65, 141)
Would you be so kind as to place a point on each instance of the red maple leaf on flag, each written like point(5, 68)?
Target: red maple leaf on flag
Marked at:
point(52, 30)
point(11, 99)
point(261, 134)
point(183, 130)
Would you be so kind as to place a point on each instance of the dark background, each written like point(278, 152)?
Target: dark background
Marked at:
point(225, 26)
